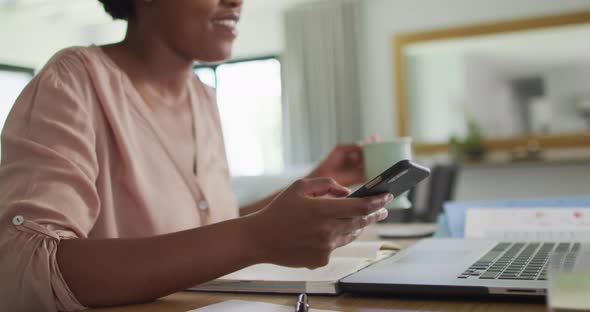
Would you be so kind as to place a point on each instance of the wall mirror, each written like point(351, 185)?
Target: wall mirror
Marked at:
point(518, 81)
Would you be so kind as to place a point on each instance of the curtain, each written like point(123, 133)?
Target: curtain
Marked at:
point(320, 79)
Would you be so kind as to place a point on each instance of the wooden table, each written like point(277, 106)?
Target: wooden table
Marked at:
point(185, 301)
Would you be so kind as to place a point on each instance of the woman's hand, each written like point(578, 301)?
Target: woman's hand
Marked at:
point(308, 220)
point(344, 164)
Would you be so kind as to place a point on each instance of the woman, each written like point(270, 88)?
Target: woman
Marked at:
point(114, 187)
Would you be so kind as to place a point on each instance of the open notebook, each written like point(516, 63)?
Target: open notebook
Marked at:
point(270, 278)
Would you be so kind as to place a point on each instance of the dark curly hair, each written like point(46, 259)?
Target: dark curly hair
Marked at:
point(119, 9)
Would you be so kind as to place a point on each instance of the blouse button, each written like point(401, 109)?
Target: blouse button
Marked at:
point(18, 220)
point(203, 205)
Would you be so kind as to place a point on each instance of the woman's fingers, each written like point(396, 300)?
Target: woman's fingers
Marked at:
point(348, 238)
point(329, 222)
point(357, 224)
point(345, 240)
point(320, 187)
point(352, 228)
point(352, 207)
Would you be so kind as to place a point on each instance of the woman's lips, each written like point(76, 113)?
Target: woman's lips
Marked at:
point(227, 24)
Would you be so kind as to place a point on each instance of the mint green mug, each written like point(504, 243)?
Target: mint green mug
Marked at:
point(381, 155)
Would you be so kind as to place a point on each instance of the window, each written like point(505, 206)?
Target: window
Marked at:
point(250, 105)
point(12, 82)
point(207, 76)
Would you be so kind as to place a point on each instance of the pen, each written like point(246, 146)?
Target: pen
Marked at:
point(302, 304)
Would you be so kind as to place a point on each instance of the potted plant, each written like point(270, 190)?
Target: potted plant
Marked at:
point(471, 148)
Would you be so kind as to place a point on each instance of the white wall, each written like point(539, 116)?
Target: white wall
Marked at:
point(31, 41)
point(261, 28)
point(385, 18)
point(30, 33)
point(522, 180)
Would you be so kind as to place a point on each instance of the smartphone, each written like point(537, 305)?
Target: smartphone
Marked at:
point(396, 180)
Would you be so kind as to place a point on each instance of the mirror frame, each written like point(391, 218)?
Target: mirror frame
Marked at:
point(400, 41)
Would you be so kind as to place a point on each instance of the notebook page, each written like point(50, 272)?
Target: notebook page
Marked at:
point(360, 249)
point(336, 269)
point(249, 306)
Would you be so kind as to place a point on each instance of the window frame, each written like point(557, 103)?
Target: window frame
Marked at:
point(277, 57)
point(18, 69)
point(214, 66)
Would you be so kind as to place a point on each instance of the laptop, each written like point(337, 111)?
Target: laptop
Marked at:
point(466, 267)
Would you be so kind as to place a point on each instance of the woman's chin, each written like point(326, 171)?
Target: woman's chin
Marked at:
point(214, 56)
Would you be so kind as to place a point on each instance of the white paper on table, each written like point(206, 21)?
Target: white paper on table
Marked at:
point(336, 269)
point(246, 306)
point(568, 290)
point(343, 262)
point(545, 223)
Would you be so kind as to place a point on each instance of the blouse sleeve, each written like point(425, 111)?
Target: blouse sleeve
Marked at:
point(47, 184)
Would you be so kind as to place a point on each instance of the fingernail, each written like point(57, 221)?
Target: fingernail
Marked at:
point(383, 213)
point(388, 197)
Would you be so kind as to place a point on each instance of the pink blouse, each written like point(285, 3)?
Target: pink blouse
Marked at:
point(82, 157)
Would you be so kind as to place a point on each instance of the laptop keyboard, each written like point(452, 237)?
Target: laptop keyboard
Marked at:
point(522, 261)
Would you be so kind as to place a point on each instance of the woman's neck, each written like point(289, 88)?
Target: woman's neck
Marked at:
point(148, 59)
